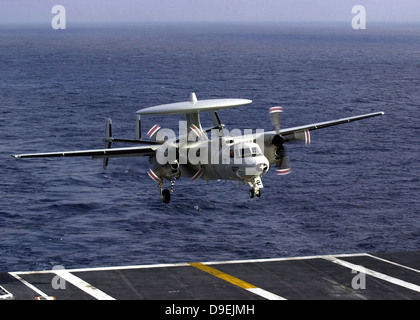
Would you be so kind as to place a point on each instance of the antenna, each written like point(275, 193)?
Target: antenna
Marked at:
point(193, 98)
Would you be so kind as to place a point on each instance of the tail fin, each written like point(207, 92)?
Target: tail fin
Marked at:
point(108, 139)
point(138, 128)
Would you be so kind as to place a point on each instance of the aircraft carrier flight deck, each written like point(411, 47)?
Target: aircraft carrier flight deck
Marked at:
point(393, 276)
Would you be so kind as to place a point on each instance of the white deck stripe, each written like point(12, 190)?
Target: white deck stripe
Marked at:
point(182, 264)
point(4, 294)
point(284, 259)
point(26, 283)
point(394, 263)
point(145, 266)
point(373, 273)
point(265, 294)
point(83, 285)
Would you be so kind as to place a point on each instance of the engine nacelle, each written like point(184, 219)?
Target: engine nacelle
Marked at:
point(271, 150)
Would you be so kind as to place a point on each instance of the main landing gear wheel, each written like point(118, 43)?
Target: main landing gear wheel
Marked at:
point(258, 193)
point(251, 193)
point(166, 196)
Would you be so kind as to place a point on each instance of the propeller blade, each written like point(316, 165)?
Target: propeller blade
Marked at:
point(153, 130)
point(154, 176)
point(198, 174)
point(196, 131)
point(275, 113)
point(283, 163)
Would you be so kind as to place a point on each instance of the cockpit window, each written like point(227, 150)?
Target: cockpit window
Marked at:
point(246, 152)
point(255, 151)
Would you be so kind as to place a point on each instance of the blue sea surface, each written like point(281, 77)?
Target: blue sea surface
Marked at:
point(354, 189)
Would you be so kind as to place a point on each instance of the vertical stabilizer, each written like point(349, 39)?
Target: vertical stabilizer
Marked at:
point(138, 128)
point(108, 139)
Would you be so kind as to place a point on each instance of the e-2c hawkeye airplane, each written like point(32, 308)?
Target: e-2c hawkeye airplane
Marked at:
point(194, 154)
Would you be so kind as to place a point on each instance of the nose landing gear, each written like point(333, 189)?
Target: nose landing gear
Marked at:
point(256, 186)
point(256, 192)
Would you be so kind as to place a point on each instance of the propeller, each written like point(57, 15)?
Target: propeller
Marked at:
point(282, 163)
point(153, 130)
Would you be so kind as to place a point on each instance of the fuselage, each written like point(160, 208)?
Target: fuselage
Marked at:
point(218, 160)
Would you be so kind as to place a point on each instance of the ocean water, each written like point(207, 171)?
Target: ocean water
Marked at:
point(354, 189)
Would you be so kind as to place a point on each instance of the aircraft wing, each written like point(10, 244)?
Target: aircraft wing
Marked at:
point(147, 150)
point(302, 132)
point(325, 124)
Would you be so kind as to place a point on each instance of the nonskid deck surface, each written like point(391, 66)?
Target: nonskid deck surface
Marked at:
point(348, 276)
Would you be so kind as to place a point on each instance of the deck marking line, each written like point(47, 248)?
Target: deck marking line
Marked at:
point(373, 273)
point(265, 294)
point(282, 259)
point(4, 294)
point(83, 285)
point(29, 285)
point(394, 263)
point(237, 282)
point(166, 265)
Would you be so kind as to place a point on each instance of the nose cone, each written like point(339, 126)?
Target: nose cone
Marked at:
point(263, 167)
point(259, 166)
